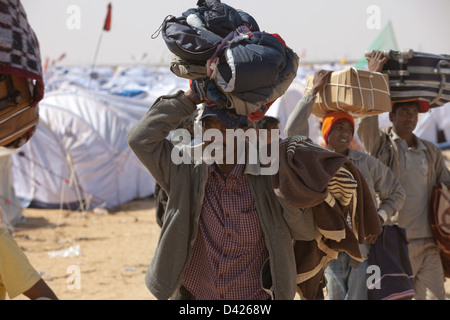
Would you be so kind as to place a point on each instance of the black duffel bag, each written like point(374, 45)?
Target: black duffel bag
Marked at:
point(418, 75)
point(195, 35)
point(390, 254)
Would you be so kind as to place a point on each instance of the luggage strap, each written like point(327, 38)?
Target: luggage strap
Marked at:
point(443, 72)
point(241, 33)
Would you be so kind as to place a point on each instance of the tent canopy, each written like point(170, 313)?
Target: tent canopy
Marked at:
point(80, 154)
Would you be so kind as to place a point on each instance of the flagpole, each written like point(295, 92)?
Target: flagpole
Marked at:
point(95, 58)
point(106, 27)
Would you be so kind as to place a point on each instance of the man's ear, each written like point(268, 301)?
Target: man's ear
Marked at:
point(391, 116)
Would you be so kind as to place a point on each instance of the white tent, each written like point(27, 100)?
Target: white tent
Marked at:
point(10, 206)
point(433, 121)
point(79, 154)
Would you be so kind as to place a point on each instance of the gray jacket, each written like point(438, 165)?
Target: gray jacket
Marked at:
point(185, 185)
point(381, 144)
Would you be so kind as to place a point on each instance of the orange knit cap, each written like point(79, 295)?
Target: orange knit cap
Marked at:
point(330, 120)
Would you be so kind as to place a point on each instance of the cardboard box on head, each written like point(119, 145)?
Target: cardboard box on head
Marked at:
point(358, 92)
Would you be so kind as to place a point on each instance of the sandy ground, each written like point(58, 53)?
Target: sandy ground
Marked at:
point(115, 250)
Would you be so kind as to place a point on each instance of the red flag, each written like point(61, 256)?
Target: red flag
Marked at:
point(107, 25)
point(47, 60)
point(61, 57)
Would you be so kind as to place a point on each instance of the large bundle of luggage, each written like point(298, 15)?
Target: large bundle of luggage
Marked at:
point(18, 119)
point(418, 75)
point(249, 68)
point(21, 80)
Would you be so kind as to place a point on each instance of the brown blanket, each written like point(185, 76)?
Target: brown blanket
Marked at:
point(439, 214)
point(344, 212)
point(305, 170)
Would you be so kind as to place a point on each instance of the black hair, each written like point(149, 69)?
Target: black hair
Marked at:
point(405, 103)
point(265, 121)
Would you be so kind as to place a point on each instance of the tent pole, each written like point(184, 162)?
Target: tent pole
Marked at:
point(61, 201)
point(73, 179)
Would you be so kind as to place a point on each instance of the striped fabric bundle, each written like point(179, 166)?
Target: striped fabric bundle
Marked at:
point(418, 75)
point(342, 187)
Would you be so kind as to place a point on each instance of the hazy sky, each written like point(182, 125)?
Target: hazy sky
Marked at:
point(326, 30)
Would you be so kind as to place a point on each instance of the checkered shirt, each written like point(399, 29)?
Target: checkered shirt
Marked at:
point(229, 251)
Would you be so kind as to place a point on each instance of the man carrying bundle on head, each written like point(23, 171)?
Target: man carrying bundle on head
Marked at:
point(346, 277)
point(224, 235)
point(419, 165)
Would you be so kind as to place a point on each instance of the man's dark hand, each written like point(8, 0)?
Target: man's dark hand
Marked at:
point(191, 96)
point(320, 80)
point(371, 239)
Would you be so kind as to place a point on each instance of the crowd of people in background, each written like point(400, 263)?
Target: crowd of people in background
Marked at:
point(227, 225)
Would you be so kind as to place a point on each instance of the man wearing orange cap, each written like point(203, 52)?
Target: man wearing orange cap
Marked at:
point(419, 165)
point(344, 124)
point(346, 278)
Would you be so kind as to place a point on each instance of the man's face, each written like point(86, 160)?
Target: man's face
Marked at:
point(213, 123)
point(340, 137)
point(405, 118)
